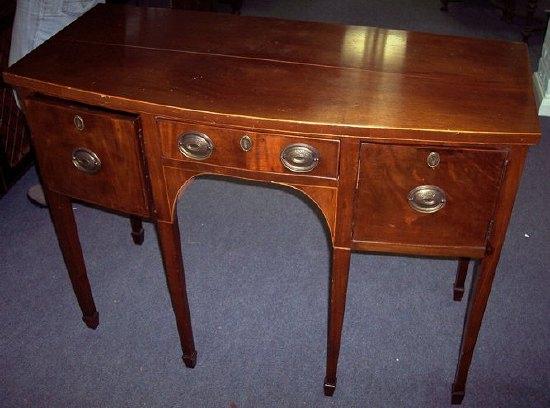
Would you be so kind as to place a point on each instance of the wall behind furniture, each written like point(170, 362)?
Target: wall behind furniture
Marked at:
point(541, 78)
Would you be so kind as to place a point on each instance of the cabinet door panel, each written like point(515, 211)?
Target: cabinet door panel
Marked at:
point(88, 154)
point(463, 182)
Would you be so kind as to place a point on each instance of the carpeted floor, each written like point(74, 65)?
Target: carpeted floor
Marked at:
point(257, 268)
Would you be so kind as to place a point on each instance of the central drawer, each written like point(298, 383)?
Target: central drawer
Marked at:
point(249, 150)
point(426, 196)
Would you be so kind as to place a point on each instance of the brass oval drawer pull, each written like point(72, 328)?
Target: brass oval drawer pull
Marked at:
point(85, 160)
point(427, 199)
point(300, 157)
point(195, 145)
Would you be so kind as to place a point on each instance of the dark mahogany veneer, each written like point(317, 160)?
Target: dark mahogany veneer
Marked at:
point(409, 143)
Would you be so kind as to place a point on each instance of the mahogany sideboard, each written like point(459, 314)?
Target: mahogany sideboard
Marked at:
point(408, 143)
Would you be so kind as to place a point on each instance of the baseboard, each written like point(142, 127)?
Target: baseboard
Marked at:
point(542, 102)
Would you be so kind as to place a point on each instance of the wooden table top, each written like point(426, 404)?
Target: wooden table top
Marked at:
point(276, 73)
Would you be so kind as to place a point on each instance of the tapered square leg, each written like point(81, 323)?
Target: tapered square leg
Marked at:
point(91, 321)
point(190, 360)
point(456, 395)
point(138, 234)
point(484, 273)
point(461, 272)
point(329, 387)
point(61, 212)
point(170, 246)
point(338, 286)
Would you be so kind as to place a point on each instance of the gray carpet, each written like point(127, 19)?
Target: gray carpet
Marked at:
point(257, 268)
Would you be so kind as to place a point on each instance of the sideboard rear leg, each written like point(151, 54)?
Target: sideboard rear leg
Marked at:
point(461, 272)
point(337, 302)
point(170, 247)
point(137, 230)
point(61, 212)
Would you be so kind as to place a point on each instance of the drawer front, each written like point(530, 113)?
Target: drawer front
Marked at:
point(251, 150)
point(426, 195)
point(88, 154)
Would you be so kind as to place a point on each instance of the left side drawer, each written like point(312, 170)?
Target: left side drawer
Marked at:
point(89, 154)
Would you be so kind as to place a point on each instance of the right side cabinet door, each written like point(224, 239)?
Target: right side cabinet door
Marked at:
point(432, 196)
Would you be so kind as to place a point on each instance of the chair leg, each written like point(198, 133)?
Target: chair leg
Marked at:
point(461, 272)
point(138, 233)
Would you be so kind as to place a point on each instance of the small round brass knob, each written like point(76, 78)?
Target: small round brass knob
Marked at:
point(300, 157)
point(427, 199)
point(78, 122)
point(246, 143)
point(433, 160)
point(195, 145)
point(86, 161)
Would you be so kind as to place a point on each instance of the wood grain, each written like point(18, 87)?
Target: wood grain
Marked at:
point(113, 137)
point(485, 272)
point(264, 155)
point(374, 102)
point(470, 178)
point(486, 92)
point(61, 211)
point(323, 197)
point(170, 247)
point(338, 284)
point(306, 42)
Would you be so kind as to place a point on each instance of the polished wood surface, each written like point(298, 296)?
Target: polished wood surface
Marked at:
point(374, 103)
point(323, 197)
point(332, 92)
point(264, 154)
point(61, 211)
point(170, 248)
point(120, 183)
point(323, 44)
point(485, 272)
point(470, 178)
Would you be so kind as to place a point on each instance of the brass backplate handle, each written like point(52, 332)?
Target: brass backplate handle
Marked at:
point(195, 145)
point(86, 161)
point(300, 157)
point(427, 199)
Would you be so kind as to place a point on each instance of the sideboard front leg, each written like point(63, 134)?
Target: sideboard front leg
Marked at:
point(170, 247)
point(337, 302)
point(61, 212)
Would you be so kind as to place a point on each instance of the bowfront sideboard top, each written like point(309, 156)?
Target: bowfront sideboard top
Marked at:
point(281, 74)
point(408, 143)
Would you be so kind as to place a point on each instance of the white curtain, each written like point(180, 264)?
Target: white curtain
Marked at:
point(37, 20)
